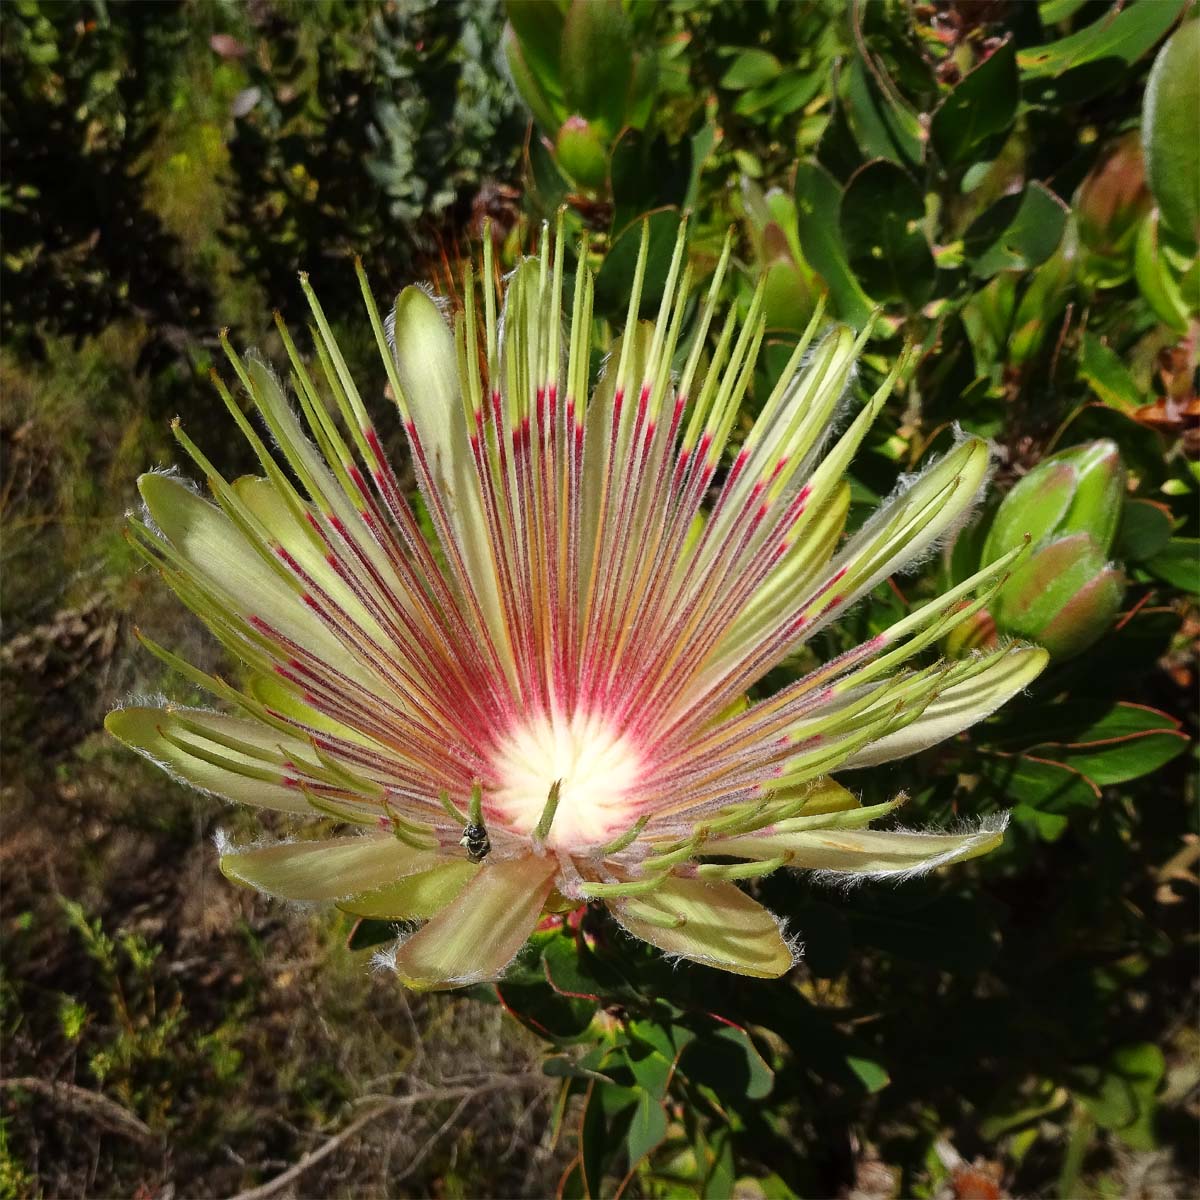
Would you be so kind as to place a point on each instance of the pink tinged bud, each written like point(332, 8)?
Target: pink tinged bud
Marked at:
point(581, 153)
point(1033, 509)
point(1096, 507)
point(1079, 490)
point(1113, 198)
point(1086, 616)
point(1063, 596)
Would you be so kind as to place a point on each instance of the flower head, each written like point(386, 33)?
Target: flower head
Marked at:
point(528, 688)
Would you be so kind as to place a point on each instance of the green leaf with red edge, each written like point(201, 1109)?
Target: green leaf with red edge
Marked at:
point(1039, 786)
point(1128, 742)
point(653, 1053)
point(573, 970)
point(667, 1037)
point(726, 1060)
point(540, 1008)
point(366, 933)
point(609, 1112)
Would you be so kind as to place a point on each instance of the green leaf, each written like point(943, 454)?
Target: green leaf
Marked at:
point(1155, 279)
point(1123, 1094)
point(597, 61)
point(607, 1115)
point(726, 1060)
point(873, 1075)
point(979, 111)
point(1126, 35)
point(572, 969)
point(1040, 783)
point(1145, 530)
point(1178, 564)
point(781, 96)
point(750, 69)
point(549, 1015)
point(883, 125)
point(663, 1041)
point(1016, 233)
point(548, 185)
point(1127, 742)
point(1052, 12)
point(717, 1154)
point(1171, 132)
point(533, 86)
point(1107, 375)
point(648, 173)
point(882, 215)
point(818, 199)
point(538, 25)
point(647, 1128)
point(615, 279)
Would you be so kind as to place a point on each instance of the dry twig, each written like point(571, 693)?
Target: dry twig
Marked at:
point(387, 1104)
point(105, 1112)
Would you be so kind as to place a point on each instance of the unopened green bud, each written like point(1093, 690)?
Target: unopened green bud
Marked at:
point(581, 153)
point(1065, 594)
point(1079, 490)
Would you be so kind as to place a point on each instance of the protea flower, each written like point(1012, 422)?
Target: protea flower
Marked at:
point(529, 690)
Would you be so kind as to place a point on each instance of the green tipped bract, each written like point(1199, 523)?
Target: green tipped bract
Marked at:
point(527, 690)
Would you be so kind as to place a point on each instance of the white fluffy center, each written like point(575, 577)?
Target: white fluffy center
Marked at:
point(596, 771)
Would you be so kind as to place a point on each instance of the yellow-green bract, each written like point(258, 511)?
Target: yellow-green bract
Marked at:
point(542, 702)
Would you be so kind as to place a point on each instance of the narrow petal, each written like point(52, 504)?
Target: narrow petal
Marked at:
point(873, 853)
point(480, 932)
point(328, 869)
point(1001, 677)
point(714, 923)
point(156, 734)
point(416, 897)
